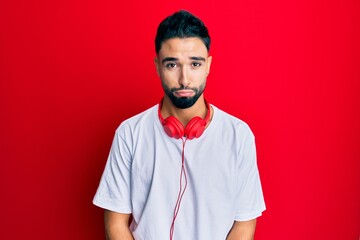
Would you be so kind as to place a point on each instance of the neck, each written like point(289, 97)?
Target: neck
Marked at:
point(184, 115)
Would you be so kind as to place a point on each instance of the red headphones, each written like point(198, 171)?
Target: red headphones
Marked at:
point(174, 128)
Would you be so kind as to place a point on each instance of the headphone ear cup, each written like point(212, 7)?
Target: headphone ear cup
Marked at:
point(195, 128)
point(173, 127)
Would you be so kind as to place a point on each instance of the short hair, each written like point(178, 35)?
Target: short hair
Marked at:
point(181, 24)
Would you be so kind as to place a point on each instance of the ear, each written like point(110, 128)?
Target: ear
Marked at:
point(157, 65)
point(209, 59)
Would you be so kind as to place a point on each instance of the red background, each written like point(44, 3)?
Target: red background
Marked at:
point(71, 71)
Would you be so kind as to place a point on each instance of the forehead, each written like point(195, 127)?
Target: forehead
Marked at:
point(178, 47)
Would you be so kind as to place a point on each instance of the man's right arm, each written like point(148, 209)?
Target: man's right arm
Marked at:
point(117, 226)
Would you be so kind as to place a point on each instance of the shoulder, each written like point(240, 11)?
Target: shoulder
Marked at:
point(229, 122)
point(138, 121)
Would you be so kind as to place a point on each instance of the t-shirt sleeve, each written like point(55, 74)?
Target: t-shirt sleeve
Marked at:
point(113, 192)
point(250, 200)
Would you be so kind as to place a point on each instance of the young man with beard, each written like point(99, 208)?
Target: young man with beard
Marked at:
point(183, 169)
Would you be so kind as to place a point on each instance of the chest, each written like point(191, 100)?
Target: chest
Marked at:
point(208, 164)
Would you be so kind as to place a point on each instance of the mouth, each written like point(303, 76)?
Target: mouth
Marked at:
point(184, 93)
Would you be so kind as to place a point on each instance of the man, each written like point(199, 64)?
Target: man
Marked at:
point(183, 169)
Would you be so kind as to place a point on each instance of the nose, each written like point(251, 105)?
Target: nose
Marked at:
point(183, 78)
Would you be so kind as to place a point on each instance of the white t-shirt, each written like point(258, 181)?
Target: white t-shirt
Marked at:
point(142, 177)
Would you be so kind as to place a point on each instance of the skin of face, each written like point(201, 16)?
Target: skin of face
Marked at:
point(183, 65)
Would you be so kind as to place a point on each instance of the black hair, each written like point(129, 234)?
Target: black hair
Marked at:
point(181, 24)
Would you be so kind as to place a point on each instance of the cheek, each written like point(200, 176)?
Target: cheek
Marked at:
point(169, 76)
point(167, 79)
point(199, 76)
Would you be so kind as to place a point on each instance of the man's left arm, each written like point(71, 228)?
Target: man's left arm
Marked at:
point(242, 230)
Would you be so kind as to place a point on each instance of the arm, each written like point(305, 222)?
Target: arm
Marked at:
point(242, 230)
point(117, 226)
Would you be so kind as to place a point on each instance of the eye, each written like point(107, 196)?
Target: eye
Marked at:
point(196, 64)
point(170, 65)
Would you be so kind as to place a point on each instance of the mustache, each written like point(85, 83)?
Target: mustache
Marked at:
point(184, 88)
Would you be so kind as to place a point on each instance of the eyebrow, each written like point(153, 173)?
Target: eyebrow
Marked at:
point(173, 59)
point(169, 59)
point(198, 58)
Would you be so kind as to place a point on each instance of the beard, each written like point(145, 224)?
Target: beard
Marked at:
point(184, 102)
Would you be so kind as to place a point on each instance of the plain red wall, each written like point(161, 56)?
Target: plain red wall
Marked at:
point(71, 71)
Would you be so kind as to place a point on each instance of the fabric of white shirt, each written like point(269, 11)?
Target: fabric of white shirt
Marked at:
point(142, 177)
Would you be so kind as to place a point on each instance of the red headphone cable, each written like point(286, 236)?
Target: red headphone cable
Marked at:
point(181, 190)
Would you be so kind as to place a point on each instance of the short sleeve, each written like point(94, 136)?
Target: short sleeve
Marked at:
point(113, 192)
point(250, 201)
